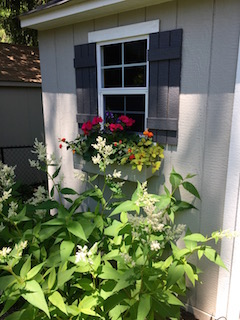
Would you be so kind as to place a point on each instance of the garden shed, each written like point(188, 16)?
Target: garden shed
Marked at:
point(189, 88)
point(21, 116)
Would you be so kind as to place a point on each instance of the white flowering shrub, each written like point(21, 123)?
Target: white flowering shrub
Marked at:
point(119, 261)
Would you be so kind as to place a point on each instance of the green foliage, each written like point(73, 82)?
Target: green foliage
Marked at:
point(115, 262)
point(10, 29)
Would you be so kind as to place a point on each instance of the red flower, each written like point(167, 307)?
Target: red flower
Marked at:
point(115, 144)
point(60, 146)
point(86, 127)
point(97, 120)
point(115, 126)
point(128, 121)
point(120, 141)
point(63, 139)
point(132, 156)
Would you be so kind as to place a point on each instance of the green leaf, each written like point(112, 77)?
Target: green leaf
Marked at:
point(34, 271)
point(164, 201)
point(48, 232)
point(113, 229)
point(56, 173)
point(213, 256)
point(35, 296)
point(175, 272)
point(75, 228)
point(6, 281)
point(108, 272)
point(68, 191)
point(175, 179)
point(198, 237)
point(66, 249)
point(57, 300)
point(25, 268)
point(124, 217)
point(182, 205)
point(124, 206)
point(51, 278)
point(55, 222)
point(65, 276)
point(191, 188)
point(190, 273)
point(87, 304)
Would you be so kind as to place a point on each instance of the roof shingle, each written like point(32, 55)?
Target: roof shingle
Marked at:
point(19, 63)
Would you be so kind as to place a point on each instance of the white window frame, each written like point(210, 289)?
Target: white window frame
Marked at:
point(132, 32)
point(120, 91)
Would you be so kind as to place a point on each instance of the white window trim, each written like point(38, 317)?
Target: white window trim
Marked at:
point(104, 91)
point(132, 30)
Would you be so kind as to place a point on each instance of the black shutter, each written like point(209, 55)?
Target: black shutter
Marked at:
point(86, 82)
point(164, 85)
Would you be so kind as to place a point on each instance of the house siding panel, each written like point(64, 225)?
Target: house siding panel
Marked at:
point(206, 100)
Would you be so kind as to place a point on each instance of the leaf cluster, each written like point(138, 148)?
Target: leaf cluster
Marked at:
point(123, 276)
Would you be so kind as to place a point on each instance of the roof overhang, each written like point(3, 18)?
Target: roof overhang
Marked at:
point(74, 11)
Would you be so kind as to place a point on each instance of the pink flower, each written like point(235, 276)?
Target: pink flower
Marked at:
point(128, 121)
point(86, 127)
point(115, 126)
point(97, 120)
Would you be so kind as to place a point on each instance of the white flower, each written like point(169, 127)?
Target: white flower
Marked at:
point(155, 245)
point(5, 251)
point(117, 174)
point(84, 255)
point(12, 211)
point(34, 164)
point(81, 254)
point(96, 159)
point(80, 176)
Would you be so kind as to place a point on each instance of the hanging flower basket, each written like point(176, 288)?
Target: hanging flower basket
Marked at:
point(127, 172)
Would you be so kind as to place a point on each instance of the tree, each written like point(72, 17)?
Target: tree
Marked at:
point(10, 28)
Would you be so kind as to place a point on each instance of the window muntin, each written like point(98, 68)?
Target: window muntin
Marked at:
point(123, 79)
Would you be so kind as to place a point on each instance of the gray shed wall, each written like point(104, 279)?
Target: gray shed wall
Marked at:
point(210, 48)
point(21, 121)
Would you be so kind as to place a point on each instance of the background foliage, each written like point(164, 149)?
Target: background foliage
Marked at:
point(10, 29)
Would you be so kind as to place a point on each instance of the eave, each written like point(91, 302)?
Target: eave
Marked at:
point(74, 11)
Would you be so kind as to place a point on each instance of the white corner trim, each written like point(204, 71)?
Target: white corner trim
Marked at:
point(229, 281)
point(132, 30)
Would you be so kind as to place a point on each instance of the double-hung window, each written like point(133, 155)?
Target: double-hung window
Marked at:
point(123, 79)
point(133, 70)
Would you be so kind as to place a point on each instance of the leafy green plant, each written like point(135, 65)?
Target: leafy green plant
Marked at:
point(118, 261)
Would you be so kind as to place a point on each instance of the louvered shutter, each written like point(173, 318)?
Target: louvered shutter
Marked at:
point(164, 85)
point(86, 82)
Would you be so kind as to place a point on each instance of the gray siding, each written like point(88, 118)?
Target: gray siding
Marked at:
point(210, 48)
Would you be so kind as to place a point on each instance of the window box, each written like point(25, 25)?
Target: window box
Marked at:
point(128, 173)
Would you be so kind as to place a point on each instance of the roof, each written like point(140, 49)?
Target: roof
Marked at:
point(59, 13)
point(19, 63)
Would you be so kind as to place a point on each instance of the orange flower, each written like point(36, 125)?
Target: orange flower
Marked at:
point(73, 151)
point(147, 133)
point(129, 150)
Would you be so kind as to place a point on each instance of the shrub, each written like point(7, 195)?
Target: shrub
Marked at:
point(118, 261)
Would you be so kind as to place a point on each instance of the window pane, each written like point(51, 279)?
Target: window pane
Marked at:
point(135, 103)
point(135, 51)
point(112, 54)
point(139, 122)
point(135, 77)
point(112, 78)
point(114, 103)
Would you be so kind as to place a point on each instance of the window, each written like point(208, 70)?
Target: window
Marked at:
point(123, 79)
point(134, 70)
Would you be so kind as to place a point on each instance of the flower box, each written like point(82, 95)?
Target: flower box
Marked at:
point(128, 173)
